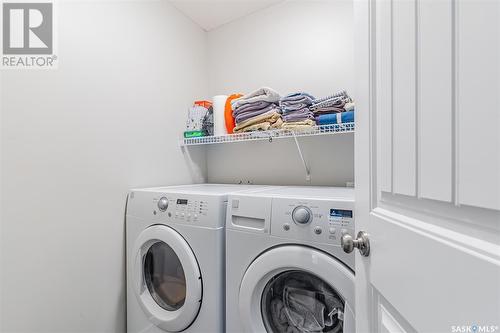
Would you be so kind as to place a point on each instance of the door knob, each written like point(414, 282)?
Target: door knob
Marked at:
point(362, 243)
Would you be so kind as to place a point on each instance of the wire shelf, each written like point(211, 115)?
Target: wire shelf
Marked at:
point(269, 135)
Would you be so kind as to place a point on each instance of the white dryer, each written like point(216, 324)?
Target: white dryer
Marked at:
point(175, 258)
point(285, 269)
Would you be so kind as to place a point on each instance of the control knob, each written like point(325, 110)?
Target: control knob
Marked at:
point(302, 215)
point(163, 204)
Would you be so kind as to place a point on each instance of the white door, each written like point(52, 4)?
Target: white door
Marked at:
point(168, 282)
point(428, 165)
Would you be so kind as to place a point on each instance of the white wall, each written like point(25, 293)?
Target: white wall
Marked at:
point(73, 141)
point(293, 46)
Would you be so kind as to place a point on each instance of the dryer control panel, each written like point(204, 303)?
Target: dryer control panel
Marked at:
point(188, 209)
point(321, 221)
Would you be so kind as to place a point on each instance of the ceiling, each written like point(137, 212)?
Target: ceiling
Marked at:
point(210, 14)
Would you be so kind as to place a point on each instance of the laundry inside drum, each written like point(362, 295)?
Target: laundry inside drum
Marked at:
point(299, 302)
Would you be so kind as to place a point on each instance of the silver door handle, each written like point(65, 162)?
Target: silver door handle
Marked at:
point(362, 243)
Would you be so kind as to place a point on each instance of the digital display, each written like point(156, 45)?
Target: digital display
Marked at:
point(340, 213)
point(182, 201)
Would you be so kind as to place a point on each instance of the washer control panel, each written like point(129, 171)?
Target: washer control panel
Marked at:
point(321, 221)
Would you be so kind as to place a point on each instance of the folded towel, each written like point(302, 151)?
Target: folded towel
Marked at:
point(251, 107)
point(263, 126)
point(309, 122)
point(349, 106)
point(327, 110)
point(273, 122)
point(333, 108)
point(331, 104)
point(296, 98)
point(294, 107)
point(334, 104)
point(335, 118)
point(342, 95)
point(277, 124)
point(298, 115)
point(270, 116)
point(296, 101)
point(263, 94)
point(250, 114)
point(299, 125)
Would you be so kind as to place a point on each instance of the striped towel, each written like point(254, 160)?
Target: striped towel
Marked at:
point(336, 99)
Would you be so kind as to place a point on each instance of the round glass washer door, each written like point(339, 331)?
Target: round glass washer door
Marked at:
point(294, 288)
point(168, 282)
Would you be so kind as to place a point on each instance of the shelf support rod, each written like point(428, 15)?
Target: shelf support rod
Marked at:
point(308, 172)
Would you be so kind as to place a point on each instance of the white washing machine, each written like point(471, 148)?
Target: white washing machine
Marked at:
point(175, 258)
point(285, 269)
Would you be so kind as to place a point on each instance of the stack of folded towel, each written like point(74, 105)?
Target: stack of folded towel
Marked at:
point(337, 108)
point(296, 113)
point(257, 110)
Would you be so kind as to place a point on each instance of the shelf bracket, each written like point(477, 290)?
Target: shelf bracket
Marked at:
point(308, 172)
